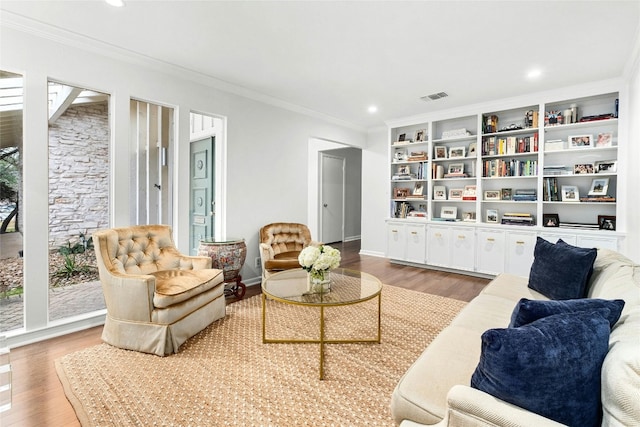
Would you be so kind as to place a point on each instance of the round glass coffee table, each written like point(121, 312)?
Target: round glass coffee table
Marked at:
point(348, 287)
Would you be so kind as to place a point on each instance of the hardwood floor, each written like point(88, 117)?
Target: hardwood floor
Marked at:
point(38, 397)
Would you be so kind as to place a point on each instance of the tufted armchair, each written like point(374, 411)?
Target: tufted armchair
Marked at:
point(280, 245)
point(156, 297)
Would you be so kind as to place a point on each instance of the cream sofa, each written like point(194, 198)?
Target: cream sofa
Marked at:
point(156, 297)
point(436, 388)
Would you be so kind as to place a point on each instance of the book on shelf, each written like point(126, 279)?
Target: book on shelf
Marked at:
point(578, 225)
point(596, 199)
point(550, 189)
point(512, 167)
point(456, 175)
point(517, 218)
point(417, 214)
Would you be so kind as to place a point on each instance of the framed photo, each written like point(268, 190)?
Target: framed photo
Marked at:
point(400, 193)
point(421, 135)
point(492, 215)
point(599, 187)
point(550, 220)
point(456, 168)
point(455, 194)
point(440, 152)
point(506, 194)
point(492, 195)
point(570, 193)
point(404, 170)
point(606, 166)
point(449, 212)
point(400, 155)
point(469, 192)
point(418, 190)
point(456, 152)
point(469, 217)
point(402, 137)
point(472, 149)
point(604, 140)
point(439, 192)
point(606, 222)
point(580, 141)
point(582, 168)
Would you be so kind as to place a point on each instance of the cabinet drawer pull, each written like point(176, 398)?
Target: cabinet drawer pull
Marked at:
point(519, 242)
point(394, 231)
point(490, 239)
point(414, 232)
point(438, 235)
point(461, 236)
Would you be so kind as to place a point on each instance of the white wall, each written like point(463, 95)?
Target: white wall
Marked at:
point(633, 175)
point(375, 192)
point(266, 146)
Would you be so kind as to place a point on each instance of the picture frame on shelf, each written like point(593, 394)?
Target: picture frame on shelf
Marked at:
point(492, 195)
point(400, 192)
point(570, 193)
point(607, 222)
point(604, 139)
point(455, 193)
point(492, 216)
point(456, 168)
point(581, 168)
point(439, 192)
point(599, 187)
point(473, 148)
point(469, 192)
point(457, 152)
point(403, 170)
point(605, 166)
point(418, 189)
point(420, 135)
point(402, 137)
point(506, 194)
point(449, 212)
point(439, 152)
point(550, 220)
point(580, 141)
point(400, 155)
point(469, 217)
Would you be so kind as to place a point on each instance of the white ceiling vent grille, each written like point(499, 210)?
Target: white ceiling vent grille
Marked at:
point(434, 96)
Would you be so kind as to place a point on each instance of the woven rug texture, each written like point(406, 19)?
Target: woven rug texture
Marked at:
point(226, 376)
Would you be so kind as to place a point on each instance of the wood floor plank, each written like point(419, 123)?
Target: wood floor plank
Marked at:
point(38, 397)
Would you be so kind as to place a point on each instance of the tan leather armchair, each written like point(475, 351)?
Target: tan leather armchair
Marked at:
point(156, 297)
point(280, 245)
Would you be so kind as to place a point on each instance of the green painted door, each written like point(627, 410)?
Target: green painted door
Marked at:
point(202, 189)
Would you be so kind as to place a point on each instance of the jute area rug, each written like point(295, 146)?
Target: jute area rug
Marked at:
point(226, 376)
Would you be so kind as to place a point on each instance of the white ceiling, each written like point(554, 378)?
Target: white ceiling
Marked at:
point(339, 57)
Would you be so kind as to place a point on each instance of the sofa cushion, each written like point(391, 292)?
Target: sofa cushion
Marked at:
point(561, 271)
point(550, 366)
point(527, 311)
point(175, 286)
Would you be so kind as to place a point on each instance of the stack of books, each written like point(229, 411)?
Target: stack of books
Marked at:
point(456, 175)
point(518, 219)
point(579, 225)
point(415, 156)
point(556, 170)
point(403, 176)
point(525, 195)
point(598, 199)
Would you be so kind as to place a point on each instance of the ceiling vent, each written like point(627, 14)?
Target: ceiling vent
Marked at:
point(434, 96)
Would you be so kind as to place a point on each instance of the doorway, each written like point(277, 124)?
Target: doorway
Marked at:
point(202, 199)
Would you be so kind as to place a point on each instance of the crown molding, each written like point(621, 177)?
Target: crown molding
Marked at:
point(63, 36)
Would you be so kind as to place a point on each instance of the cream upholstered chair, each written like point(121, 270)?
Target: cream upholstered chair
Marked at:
point(280, 245)
point(156, 297)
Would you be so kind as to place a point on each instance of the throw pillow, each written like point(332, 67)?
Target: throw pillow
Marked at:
point(527, 311)
point(561, 271)
point(550, 366)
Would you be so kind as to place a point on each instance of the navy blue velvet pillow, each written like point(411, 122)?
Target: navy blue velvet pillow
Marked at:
point(550, 366)
point(561, 271)
point(527, 311)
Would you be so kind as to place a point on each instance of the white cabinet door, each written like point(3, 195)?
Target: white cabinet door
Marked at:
point(463, 248)
point(553, 237)
point(396, 241)
point(598, 242)
point(490, 251)
point(416, 245)
point(438, 245)
point(520, 248)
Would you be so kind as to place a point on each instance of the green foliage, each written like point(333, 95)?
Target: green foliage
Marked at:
point(70, 268)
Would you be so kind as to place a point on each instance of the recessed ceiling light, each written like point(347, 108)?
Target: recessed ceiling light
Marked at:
point(534, 74)
point(372, 109)
point(116, 3)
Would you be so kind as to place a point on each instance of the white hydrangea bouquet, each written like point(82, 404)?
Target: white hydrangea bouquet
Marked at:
point(318, 261)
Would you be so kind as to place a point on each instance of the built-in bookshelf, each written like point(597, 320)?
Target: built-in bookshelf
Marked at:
point(526, 169)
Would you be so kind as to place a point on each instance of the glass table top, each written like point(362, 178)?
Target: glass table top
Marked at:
point(347, 287)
